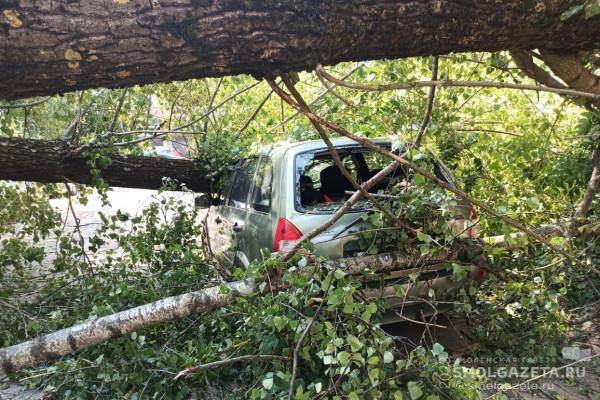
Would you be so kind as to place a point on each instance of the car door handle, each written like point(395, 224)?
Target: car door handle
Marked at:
point(218, 220)
point(237, 228)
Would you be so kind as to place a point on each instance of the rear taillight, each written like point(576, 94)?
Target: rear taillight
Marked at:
point(286, 234)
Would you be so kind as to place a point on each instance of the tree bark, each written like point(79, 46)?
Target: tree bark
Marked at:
point(65, 341)
point(52, 161)
point(50, 47)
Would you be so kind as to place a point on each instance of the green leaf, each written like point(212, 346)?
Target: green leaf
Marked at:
point(343, 357)
point(339, 274)
point(279, 323)
point(398, 395)
point(415, 390)
point(388, 357)
point(423, 237)
point(353, 396)
point(355, 343)
point(437, 349)
point(374, 360)
point(418, 179)
point(268, 382)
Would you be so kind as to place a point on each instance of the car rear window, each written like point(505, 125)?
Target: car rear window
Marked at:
point(321, 188)
point(320, 185)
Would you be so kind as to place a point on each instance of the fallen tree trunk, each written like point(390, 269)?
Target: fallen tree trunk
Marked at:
point(65, 341)
point(49, 47)
point(51, 161)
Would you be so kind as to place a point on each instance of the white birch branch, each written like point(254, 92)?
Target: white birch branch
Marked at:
point(49, 347)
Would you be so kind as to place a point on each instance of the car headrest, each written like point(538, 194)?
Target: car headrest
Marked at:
point(333, 182)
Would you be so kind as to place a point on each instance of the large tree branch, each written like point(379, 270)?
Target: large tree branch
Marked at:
point(571, 70)
point(65, 341)
point(49, 47)
point(51, 161)
point(524, 61)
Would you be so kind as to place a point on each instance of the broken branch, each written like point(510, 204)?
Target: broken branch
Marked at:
point(222, 363)
point(49, 347)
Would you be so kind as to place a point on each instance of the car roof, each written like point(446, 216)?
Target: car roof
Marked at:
point(312, 145)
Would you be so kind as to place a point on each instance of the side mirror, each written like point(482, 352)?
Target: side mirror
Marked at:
point(203, 200)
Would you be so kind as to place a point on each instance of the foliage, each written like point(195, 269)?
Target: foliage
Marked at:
point(524, 154)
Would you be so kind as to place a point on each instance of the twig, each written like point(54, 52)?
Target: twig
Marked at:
point(330, 89)
point(593, 184)
point(318, 98)
point(222, 363)
point(452, 83)
point(297, 349)
point(488, 130)
point(254, 113)
point(429, 107)
point(115, 118)
point(24, 105)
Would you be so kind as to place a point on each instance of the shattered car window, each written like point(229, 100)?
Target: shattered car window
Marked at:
point(320, 185)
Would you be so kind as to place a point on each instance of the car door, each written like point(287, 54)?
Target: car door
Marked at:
point(227, 222)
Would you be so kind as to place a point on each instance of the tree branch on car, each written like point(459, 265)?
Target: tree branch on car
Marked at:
point(367, 143)
point(334, 154)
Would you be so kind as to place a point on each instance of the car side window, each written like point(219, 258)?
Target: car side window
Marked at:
point(242, 183)
point(261, 188)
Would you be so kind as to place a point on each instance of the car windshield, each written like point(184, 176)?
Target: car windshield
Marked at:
point(322, 188)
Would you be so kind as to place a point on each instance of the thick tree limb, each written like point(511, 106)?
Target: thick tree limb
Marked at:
point(49, 47)
point(51, 161)
point(571, 70)
point(524, 61)
point(65, 341)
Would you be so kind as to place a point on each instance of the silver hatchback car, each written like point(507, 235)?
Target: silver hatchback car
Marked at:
point(274, 197)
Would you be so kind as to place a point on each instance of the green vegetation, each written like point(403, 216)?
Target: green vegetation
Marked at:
point(524, 153)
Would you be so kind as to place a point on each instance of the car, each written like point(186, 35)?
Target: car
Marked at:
point(272, 198)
